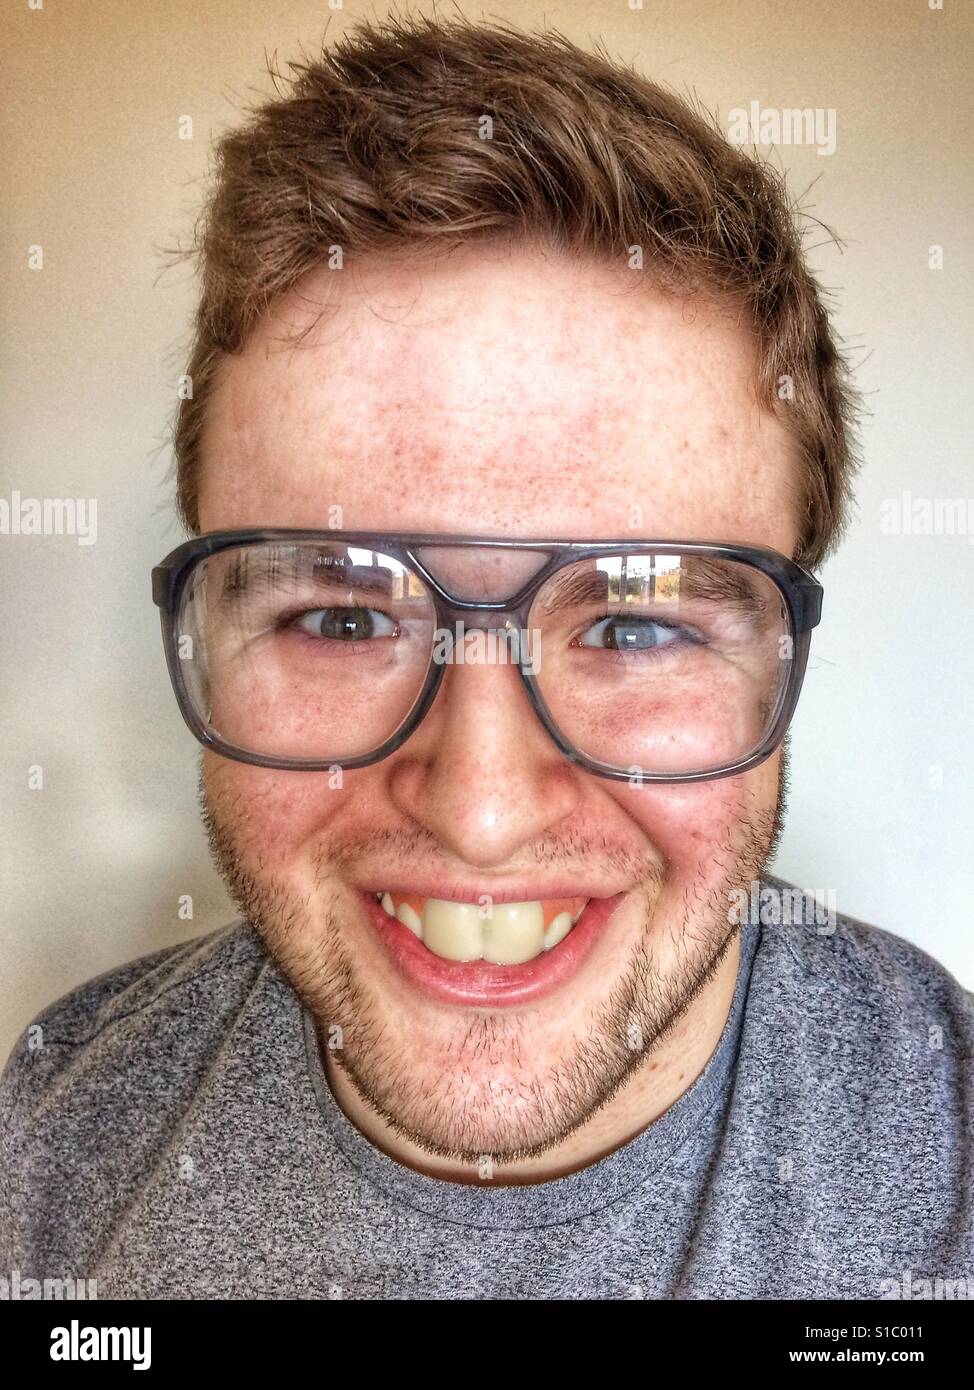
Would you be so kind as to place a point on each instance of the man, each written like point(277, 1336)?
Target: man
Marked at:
point(513, 1009)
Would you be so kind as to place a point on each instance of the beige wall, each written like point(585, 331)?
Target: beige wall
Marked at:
point(94, 863)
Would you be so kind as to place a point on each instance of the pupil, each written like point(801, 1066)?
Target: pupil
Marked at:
point(346, 622)
point(627, 638)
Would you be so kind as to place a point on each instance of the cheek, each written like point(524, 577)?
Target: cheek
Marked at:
point(697, 826)
point(272, 815)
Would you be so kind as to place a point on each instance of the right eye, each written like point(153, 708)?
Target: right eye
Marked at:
point(347, 624)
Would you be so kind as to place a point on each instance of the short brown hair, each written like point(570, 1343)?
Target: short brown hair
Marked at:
point(376, 145)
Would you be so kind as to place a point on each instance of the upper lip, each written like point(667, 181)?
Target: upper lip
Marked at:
point(518, 892)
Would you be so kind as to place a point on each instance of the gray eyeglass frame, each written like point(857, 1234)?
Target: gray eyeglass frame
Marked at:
point(800, 590)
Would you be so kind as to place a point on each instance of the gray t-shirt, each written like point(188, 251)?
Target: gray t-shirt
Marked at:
point(168, 1130)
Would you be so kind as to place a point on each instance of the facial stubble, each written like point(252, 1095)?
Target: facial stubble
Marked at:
point(494, 1100)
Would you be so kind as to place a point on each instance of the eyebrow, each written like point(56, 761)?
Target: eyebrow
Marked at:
point(729, 582)
point(574, 586)
point(246, 576)
point(701, 578)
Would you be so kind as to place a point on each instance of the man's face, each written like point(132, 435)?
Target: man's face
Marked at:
point(509, 394)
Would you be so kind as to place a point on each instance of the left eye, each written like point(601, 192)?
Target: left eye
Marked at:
point(629, 634)
point(346, 624)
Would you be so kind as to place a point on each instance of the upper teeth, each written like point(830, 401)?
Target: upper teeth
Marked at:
point(504, 933)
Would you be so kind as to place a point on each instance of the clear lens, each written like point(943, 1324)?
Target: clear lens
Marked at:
point(662, 663)
point(312, 651)
point(653, 663)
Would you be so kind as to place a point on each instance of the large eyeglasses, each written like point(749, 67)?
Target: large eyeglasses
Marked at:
point(657, 661)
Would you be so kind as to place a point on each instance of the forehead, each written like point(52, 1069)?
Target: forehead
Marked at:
point(505, 392)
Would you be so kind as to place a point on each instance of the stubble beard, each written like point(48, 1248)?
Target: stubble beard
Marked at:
point(493, 1100)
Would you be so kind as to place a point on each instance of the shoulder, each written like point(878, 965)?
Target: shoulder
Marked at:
point(104, 1023)
point(856, 1068)
point(101, 1077)
point(860, 966)
point(863, 1020)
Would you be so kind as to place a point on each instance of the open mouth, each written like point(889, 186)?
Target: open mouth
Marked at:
point(501, 933)
point(487, 954)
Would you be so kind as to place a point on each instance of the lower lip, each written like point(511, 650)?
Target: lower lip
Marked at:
point(481, 984)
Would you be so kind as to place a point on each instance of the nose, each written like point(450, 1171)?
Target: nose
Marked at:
point(480, 772)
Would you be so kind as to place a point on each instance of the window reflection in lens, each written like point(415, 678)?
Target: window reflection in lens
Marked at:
point(307, 651)
point(667, 663)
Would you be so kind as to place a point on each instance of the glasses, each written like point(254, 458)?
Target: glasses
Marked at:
point(656, 661)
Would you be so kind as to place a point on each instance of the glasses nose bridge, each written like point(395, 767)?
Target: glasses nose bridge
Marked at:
point(468, 582)
point(484, 617)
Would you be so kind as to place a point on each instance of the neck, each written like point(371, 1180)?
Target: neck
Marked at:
point(669, 1069)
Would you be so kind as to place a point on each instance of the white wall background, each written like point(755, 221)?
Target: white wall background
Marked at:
point(93, 865)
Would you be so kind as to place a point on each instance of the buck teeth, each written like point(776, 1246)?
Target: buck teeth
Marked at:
point(505, 933)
